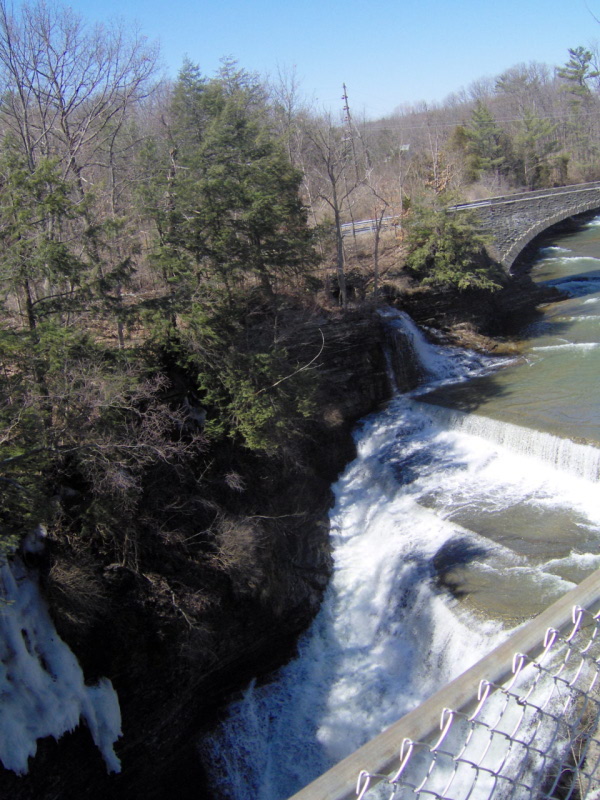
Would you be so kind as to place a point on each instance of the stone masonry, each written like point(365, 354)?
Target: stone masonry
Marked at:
point(514, 220)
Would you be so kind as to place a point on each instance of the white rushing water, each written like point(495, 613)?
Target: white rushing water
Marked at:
point(581, 460)
point(429, 513)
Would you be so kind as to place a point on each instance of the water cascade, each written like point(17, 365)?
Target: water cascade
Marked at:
point(414, 360)
point(581, 460)
point(447, 532)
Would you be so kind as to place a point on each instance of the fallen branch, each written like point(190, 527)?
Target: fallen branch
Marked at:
point(296, 371)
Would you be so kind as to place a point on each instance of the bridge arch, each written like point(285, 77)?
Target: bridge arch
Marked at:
point(515, 251)
point(513, 221)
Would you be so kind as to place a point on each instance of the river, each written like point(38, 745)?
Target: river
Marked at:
point(472, 504)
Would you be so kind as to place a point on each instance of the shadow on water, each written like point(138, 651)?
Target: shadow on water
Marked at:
point(452, 555)
point(547, 326)
point(419, 464)
point(577, 285)
point(467, 397)
point(565, 234)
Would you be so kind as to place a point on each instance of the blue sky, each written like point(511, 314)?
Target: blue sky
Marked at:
point(388, 52)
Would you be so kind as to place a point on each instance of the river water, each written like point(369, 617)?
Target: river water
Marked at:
point(472, 504)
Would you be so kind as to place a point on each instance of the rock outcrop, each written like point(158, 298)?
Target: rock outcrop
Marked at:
point(206, 609)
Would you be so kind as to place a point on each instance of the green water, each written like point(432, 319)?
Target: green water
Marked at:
point(538, 541)
point(555, 386)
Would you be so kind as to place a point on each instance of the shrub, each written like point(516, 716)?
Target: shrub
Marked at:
point(446, 250)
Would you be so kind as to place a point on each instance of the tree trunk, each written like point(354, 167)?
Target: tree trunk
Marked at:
point(341, 275)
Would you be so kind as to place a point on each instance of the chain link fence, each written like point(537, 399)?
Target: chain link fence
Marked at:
point(531, 730)
point(535, 737)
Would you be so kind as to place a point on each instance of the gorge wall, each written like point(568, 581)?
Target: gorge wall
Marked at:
point(205, 612)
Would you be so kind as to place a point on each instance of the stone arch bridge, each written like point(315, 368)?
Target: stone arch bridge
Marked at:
point(513, 221)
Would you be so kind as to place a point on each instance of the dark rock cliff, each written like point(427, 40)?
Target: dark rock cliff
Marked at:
point(203, 614)
point(492, 314)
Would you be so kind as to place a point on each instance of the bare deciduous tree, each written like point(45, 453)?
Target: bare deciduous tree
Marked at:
point(68, 87)
point(329, 159)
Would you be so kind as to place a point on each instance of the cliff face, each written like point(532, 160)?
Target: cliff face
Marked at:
point(207, 608)
point(490, 314)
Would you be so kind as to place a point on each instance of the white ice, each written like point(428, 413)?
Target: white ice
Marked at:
point(42, 687)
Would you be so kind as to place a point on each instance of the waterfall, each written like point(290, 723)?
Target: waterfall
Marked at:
point(416, 361)
point(41, 683)
point(432, 568)
point(437, 365)
point(581, 460)
point(403, 341)
point(427, 359)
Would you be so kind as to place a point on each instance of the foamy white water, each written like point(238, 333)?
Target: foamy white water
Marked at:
point(580, 460)
point(426, 505)
point(439, 365)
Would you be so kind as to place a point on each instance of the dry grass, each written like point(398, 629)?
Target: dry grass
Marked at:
point(359, 267)
point(74, 590)
point(241, 544)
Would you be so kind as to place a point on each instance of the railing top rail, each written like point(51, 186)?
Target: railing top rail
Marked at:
point(381, 753)
point(530, 195)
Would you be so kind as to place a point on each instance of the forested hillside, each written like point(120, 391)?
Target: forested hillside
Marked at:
point(145, 231)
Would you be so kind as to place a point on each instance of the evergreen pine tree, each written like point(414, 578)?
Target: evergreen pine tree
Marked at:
point(485, 141)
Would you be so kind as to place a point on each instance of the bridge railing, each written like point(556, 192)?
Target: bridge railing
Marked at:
point(521, 723)
point(526, 196)
point(366, 225)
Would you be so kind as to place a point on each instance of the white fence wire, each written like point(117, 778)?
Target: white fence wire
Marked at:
point(535, 737)
point(532, 731)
